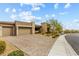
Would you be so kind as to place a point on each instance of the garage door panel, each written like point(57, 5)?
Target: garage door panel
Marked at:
point(7, 31)
point(24, 31)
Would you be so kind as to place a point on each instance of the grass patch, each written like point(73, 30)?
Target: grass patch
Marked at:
point(16, 53)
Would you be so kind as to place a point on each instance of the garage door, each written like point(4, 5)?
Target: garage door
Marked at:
point(24, 30)
point(7, 31)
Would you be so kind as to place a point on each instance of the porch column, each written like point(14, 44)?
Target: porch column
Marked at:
point(33, 28)
point(16, 30)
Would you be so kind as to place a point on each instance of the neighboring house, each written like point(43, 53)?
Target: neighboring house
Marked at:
point(41, 28)
point(20, 28)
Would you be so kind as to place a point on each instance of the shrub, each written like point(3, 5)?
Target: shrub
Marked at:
point(2, 46)
point(42, 33)
point(55, 34)
point(16, 53)
point(71, 31)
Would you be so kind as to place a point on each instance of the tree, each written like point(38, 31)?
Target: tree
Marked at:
point(55, 26)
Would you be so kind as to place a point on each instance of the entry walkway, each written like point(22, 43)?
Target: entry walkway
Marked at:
point(62, 48)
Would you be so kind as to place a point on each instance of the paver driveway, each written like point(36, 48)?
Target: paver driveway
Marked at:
point(33, 45)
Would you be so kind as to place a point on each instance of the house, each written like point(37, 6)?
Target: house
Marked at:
point(20, 28)
point(41, 28)
point(16, 28)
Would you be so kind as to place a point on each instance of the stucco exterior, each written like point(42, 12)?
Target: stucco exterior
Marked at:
point(20, 28)
point(13, 28)
point(43, 27)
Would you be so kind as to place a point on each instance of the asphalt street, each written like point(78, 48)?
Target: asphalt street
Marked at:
point(73, 40)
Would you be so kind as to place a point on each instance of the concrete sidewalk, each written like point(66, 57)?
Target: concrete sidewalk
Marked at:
point(62, 48)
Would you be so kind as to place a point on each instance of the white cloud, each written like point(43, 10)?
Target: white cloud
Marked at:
point(74, 24)
point(21, 4)
point(53, 15)
point(46, 15)
point(26, 16)
point(38, 18)
point(13, 10)
point(7, 9)
point(67, 5)
point(50, 16)
point(56, 6)
point(13, 17)
point(76, 20)
point(38, 5)
point(35, 8)
point(63, 13)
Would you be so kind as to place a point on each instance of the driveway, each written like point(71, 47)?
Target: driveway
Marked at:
point(33, 45)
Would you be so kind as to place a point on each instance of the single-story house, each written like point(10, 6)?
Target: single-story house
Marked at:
point(16, 28)
point(20, 28)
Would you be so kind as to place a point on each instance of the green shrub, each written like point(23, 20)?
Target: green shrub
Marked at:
point(16, 53)
point(55, 34)
point(71, 31)
point(42, 33)
point(2, 46)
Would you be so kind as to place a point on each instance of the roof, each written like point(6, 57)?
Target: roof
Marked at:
point(4, 22)
point(12, 23)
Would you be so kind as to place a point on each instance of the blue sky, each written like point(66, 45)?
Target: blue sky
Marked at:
point(67, 14)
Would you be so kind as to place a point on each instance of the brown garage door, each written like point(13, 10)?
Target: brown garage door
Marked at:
point(24, 30)
point(7, 31)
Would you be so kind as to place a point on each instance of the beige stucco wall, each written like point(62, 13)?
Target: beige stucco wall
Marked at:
point(0, 30)
point(25, 24)
point(16, 26)
point(43, 27)
point(33, 28)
